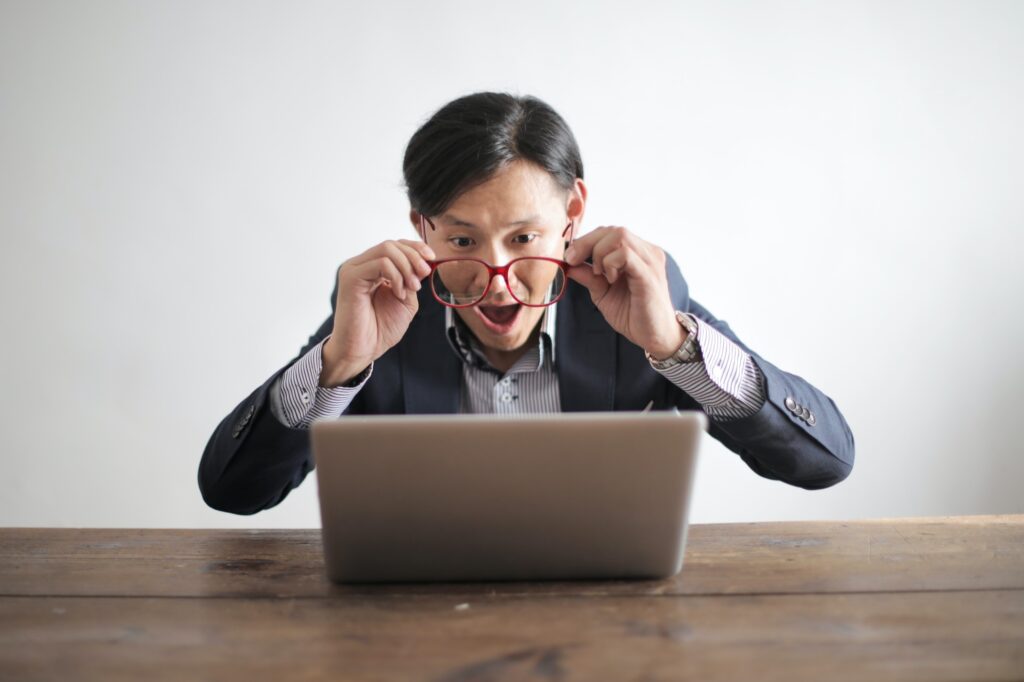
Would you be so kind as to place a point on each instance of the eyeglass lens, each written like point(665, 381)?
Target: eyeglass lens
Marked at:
point(531, 281)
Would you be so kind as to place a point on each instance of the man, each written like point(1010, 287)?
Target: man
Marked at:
point(500, 306)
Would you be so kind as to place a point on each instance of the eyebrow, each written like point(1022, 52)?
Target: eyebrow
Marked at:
point(465, 223)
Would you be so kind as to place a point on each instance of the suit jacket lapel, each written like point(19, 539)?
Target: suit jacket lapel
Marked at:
point(585, 358)
point(585, 354)
point(431, 372)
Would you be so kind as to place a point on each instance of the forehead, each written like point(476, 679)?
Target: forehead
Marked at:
point(517, 194)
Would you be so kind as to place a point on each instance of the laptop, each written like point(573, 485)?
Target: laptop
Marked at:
point(481, 497)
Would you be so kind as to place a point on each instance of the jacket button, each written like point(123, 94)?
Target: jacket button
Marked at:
point(804, 413)
point(245, 420)
point(791, 404)
point(811, 420)
point(247, 417)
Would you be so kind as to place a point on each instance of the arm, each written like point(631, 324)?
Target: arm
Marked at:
point(297, 398)
point(734, 388)
point(777, 441)
point(798, 435)
point(257, 454)
point(253, 460)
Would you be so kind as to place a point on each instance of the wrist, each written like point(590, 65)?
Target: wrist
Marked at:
point(687, 350)
point(664, 349)
point(672, 337)
point(346, 378)
point(335, 371)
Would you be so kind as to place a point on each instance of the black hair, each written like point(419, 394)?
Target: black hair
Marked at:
point(469, 139)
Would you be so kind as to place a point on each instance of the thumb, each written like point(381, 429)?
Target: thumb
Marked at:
point(584, 274)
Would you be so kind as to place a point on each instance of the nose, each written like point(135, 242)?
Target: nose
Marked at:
point(500, 293)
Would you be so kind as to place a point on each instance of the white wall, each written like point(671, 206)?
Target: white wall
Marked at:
point(841, 182)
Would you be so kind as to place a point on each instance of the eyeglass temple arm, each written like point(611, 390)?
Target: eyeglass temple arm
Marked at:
point(423, 228)
point(568, 228)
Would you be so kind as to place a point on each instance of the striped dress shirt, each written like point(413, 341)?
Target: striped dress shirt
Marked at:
point(733, 387)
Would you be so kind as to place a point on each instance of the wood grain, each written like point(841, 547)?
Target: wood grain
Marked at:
point(888, 599)
point(908, 636)
point(945, 553)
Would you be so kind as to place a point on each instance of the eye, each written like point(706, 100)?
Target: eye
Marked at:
point(460, 242)
point(524, 238)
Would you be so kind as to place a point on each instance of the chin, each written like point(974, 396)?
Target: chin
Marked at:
point(511, 342)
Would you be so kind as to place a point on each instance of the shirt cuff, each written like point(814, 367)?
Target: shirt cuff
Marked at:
point(297, 398)
point(727, 382)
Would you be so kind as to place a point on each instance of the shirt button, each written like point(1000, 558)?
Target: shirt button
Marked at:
point(506, 397)
point(717, 372)
point(506, 381)
point(305, 397)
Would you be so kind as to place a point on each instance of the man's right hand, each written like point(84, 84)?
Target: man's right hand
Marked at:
point(376, 302)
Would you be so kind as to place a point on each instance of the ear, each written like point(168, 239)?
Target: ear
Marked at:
point(576, 203)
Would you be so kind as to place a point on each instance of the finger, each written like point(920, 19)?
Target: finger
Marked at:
point(614, 239)
point(420, 266)
point(595, 284)
point(581, 249)
point(381, 270)
point(383, 248)
point(398, 255)
point(422, 248)
point(616, 262)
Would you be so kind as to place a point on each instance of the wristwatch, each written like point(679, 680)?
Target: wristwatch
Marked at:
point(688, 352)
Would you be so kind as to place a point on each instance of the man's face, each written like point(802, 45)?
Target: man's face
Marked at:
point(520, 211)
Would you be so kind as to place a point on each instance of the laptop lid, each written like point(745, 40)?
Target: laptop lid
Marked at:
point(480, 497)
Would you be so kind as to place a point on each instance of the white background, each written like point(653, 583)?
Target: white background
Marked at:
point(841, 182)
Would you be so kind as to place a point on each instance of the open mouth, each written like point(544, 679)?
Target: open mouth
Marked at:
point(499, 318)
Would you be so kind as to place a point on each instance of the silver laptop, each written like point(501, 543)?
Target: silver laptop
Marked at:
point(479, 497)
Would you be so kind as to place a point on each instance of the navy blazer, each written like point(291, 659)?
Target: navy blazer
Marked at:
point(252, 461)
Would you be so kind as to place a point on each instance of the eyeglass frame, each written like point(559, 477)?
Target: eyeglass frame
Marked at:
point(493, 270)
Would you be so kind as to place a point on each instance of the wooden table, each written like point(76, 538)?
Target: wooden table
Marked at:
point(930, 599)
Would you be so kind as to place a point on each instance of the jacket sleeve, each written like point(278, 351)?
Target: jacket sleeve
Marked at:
point(252, 461)
point(798, 436)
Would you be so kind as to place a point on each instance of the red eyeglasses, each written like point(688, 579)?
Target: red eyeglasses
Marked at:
point(533, 281)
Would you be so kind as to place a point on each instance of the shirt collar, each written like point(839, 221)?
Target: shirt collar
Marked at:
point(466, 347)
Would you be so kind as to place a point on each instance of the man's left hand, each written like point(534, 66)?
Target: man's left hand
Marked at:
point(628, 285)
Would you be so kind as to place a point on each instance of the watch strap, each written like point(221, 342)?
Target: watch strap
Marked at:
point(689, 351)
